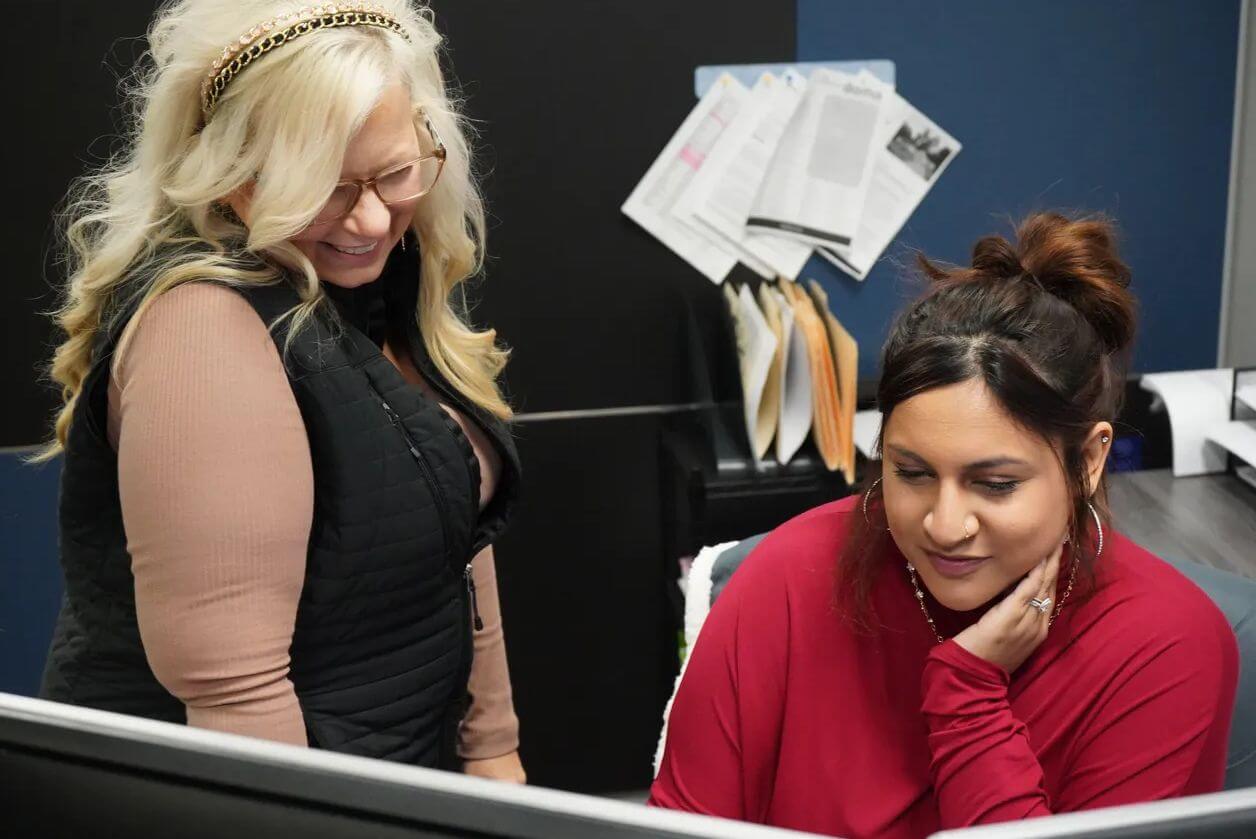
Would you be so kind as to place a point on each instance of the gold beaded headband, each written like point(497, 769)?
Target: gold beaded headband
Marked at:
point(264, 37)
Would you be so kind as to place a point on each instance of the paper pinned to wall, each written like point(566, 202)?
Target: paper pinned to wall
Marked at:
point(910, 156)
point(772, 165)
point(704, 77)
point(722, 192)
point(718, 177)
point(815, 186)
point(651, 202)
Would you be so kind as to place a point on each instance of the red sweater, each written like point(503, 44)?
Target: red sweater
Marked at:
point(787, 716)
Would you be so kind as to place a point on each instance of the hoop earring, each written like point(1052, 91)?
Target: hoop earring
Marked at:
point(865, 503)
point(1098, 526)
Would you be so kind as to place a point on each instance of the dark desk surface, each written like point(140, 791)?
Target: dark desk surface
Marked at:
point(1210, 518)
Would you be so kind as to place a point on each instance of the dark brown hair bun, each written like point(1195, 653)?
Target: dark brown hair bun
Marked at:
point(1076, 260)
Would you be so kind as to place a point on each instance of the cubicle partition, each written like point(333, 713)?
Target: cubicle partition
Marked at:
point(1124, 106)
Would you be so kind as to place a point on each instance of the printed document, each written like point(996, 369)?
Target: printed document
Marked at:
point(650, 204)
point(815, 186)
point(720, 195)
point(911, 153)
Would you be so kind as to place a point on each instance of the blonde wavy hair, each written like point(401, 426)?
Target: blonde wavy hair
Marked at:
point(152, 218)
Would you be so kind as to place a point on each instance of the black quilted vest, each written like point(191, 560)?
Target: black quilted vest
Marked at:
point(381, 651)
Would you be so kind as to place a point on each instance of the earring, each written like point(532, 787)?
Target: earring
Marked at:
point(1098, 526)
point(1104, 438)
point(865, 503)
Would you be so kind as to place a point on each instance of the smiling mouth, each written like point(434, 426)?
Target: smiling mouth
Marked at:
point(955, 566)
point(358, 251)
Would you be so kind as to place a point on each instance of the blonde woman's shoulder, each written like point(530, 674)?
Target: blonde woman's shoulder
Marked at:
point(204, 319)
point(200, 363)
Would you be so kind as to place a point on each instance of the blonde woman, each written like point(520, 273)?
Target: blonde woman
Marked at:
point(286, 454)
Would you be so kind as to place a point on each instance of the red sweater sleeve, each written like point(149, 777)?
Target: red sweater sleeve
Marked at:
point(984, 769)
point(1159, 731)
point(724, 729)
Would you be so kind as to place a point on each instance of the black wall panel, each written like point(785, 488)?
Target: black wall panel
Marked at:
point(62, 115)
point(576, 99)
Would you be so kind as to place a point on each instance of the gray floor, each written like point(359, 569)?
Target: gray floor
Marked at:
point(1210, 518)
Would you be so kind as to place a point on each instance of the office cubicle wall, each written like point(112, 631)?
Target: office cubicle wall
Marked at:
point(611, 333)
point(1238, 300)
point(1121, 106)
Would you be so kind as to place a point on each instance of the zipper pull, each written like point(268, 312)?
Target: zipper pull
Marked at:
point(395, 419)
point(475, 606)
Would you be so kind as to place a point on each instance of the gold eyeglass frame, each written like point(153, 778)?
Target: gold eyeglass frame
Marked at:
point(438, 153)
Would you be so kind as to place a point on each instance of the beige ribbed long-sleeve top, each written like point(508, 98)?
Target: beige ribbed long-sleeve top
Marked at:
point(217, 497)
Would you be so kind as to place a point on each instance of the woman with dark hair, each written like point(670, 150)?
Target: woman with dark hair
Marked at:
point(967, 640)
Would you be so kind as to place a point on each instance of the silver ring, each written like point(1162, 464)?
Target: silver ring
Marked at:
point(1041, 605)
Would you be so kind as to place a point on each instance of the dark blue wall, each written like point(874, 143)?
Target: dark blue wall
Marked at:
point(30, 578)
point(1124, 106)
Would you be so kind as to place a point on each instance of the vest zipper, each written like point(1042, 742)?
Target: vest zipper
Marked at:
point(472, 599)
point(461, 697)
point(434, 378)
point(475, 603)
point(425, 468)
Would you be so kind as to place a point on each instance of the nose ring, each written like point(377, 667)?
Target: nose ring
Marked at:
point(967, 535)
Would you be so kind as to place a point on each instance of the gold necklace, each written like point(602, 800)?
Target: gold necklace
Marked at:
point(920, 598)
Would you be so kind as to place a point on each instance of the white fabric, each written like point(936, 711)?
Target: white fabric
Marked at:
point(697, 606)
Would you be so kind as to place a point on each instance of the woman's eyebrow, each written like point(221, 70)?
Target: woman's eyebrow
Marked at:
point(397, 159)
point(992, 462)
point(987, 463)
point(907, 453)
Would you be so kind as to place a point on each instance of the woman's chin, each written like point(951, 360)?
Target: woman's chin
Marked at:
point(962, 595)
point(349, 277)
point(962, 603)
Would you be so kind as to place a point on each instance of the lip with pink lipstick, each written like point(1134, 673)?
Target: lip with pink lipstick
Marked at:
point(955, 567)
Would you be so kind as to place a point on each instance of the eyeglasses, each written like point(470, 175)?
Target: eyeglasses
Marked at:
point(395, 185)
